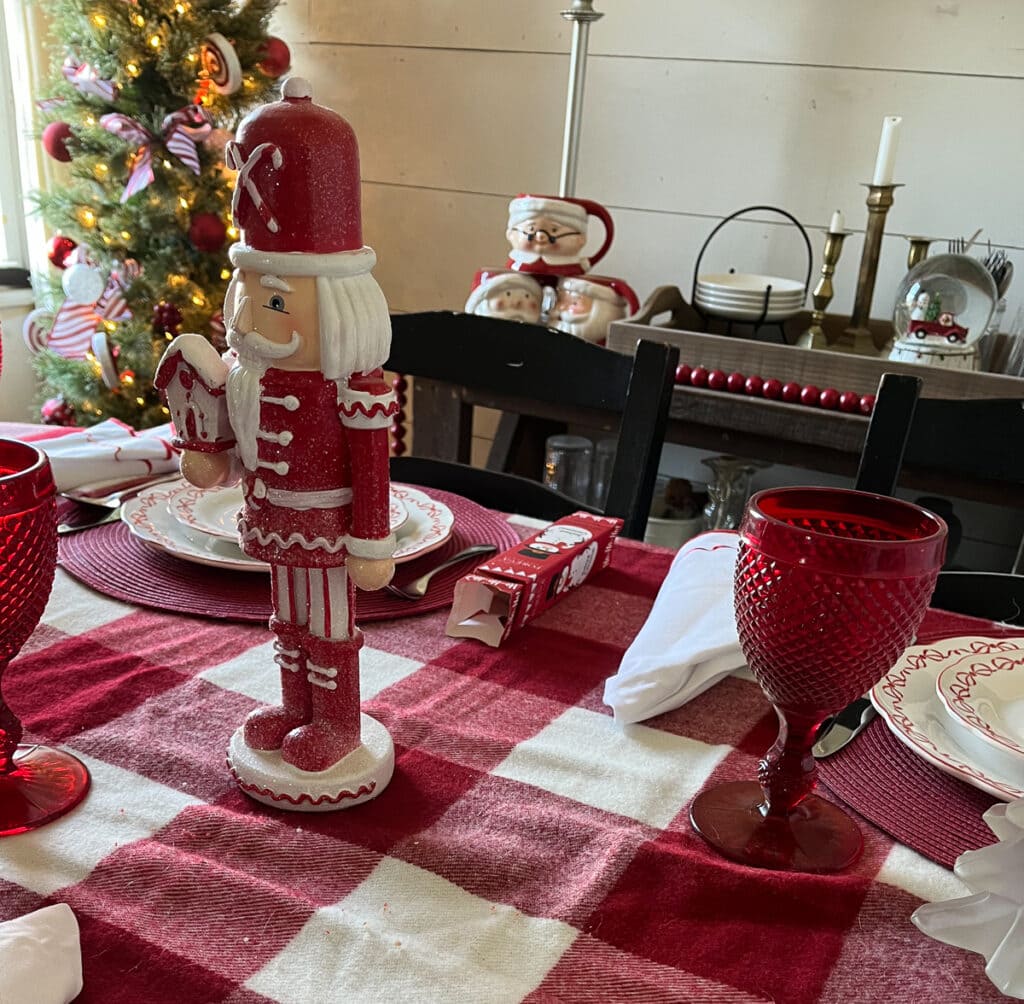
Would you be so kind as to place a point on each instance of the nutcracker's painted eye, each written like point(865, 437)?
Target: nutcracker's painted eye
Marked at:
point(276, 302)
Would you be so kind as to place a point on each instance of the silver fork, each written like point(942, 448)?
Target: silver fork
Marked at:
point(417, 589)
point(109, 516)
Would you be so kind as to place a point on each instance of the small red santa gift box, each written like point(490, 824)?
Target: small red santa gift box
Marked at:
point(515, 586)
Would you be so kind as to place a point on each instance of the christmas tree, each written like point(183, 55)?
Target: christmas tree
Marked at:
point(146, 94)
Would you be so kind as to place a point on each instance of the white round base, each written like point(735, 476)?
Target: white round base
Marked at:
point(356, 778)
point(943, 355)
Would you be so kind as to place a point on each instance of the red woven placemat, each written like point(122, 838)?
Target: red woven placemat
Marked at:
point(937, 815)
point(116, 563)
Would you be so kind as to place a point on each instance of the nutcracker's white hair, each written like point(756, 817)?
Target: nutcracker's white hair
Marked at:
point(355, 326)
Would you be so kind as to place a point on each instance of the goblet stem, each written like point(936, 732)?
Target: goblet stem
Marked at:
point(10, 730)
point(788, 773)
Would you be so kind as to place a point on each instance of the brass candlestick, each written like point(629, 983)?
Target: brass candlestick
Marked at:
point(918, 250)
point(814, 337)
point(858, 337)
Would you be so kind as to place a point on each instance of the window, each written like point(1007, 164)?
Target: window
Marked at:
point(20, 232)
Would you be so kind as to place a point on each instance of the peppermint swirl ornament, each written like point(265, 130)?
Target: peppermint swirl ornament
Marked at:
point(220, 61)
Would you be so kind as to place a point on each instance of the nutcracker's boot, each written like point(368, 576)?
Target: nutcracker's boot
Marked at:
point(333, 733)
point(266, 728)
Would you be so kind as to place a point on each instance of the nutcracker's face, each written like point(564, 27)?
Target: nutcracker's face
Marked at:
point(275, 320)
point(541, 234)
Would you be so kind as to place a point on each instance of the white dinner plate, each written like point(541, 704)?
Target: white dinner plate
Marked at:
point(733, 282)
point(908, 702)
point(746, 313)
point(427, 526)
point(753, 296)
point(150, 519)
point(984, 694)
point(215, 510)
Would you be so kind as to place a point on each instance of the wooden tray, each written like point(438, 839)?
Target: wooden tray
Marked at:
point(820, 367)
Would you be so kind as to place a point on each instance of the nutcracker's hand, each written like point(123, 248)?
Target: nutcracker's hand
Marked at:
point(206, 470)
point(370, 573)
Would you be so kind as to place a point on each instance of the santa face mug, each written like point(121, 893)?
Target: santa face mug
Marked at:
point(547, 235)
point(511, 296)
point(586, 305)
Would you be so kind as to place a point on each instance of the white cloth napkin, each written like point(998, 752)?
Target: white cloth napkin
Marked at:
point(688, 642)
point(40, 957)
point(990, 921)
point(110, 451)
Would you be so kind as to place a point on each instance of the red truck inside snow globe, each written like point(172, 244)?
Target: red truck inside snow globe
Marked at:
point(929, 319)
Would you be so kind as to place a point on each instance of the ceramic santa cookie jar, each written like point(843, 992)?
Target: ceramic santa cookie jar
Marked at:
point(298, 410)
point(586, 305)
point(511, 296)
point(547, 234)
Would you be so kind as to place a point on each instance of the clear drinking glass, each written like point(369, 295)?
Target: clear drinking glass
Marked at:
point(830, 588)
point(601, 477)
point(728, 490)
point(37, 783)
point(567, 464)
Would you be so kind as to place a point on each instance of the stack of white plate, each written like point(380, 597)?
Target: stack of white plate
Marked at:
point(959, 704)
point(201, 526)
point(741, 297)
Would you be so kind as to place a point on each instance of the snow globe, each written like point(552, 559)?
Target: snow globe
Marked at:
point(943, 307)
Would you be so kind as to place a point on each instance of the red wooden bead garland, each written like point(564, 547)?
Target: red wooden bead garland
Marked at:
point(773, 389)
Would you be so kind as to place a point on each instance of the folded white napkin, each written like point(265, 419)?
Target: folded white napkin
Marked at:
point(110, 451)
point(990, 921)
point(40, 957)
point(688, 642)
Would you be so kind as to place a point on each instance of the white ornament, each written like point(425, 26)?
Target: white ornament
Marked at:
point(991, 921)
point(83, 283)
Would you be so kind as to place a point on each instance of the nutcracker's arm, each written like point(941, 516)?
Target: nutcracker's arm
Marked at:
point(192, 378)
point(367, 407)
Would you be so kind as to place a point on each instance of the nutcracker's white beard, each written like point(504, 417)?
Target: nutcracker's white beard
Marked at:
point(243, 394)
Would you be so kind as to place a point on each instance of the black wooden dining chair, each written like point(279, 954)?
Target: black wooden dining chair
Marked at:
point(506, 361)
point(979, 438)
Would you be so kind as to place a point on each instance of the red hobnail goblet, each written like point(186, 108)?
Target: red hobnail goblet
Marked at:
point(830, 587)
point(37, 783)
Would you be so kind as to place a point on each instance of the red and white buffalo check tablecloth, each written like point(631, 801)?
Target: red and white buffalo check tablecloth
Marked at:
point(527, 849)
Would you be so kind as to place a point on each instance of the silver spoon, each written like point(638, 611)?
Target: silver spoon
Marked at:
point(417, 589)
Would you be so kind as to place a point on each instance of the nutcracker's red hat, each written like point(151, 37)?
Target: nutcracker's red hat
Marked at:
point(297, 197)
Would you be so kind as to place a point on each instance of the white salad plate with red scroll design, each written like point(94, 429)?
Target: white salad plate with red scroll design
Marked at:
point(908, 701)
point(984, 695)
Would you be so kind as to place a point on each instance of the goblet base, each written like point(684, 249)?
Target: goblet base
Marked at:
point(816, 836)
point(44, 784)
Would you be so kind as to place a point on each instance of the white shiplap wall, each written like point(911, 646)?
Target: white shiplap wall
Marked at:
point(693, 110)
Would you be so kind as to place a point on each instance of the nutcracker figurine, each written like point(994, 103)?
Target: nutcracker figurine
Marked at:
point(297, 409)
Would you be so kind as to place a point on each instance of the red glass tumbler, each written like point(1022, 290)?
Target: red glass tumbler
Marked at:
point(830, 587)
point(37, 783)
